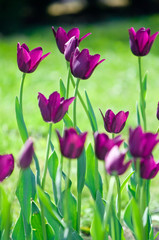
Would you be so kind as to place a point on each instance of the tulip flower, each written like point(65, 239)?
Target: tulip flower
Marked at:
point(103, 144)
point(26, 154)
point(141, 41)
point(27, 60)
point(62, 37)
point(82, 64)
point(114, 162)
point(114, 123)
point(6, 166)
point(157, 114)
point(141, 144)
point(71, 144)
point(54, 108)
point(148, 167)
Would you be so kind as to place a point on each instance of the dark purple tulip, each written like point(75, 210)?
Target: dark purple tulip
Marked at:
point(82, 64)
point(26, 154)
point(148, 167)
point(141, 144)
point(54, 108)
point(27, 60)
point(72, 144)
point(103, 144)
point(114, 161)
point(114, 123)
point(62, 37)
point(6, 166)
point(157, 114)
point(141, 41)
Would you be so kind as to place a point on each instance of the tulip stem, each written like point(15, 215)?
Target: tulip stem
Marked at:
point(79, 196)
point(106, 178)
point(74, 103)
point(118, 196)
point(68, 83)
point(21, 92)
point(47, 156)
point(142, 95)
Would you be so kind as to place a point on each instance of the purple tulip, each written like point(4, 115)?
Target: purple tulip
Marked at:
point(72, 144)
point(141, 144)
point(82, 64)
point(157, 114)
point(148, 167)
point(6, 166)
point(26, 154)
point(27, 60)
point(62, 37)
point(114, 161)
point(54, 108)
point(114, 123)
point(141, 41)
point(103, 144)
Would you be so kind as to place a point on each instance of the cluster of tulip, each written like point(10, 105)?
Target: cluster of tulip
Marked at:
point(61, 219)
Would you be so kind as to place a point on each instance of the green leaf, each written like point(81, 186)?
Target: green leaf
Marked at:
point(128, 216)
point(137, 220)
point(97, 230)
point(138, 115)
point(81, 171)
point(18, 231)
point(50, 233)
point(62, 89)
point(67, 120)
point(125, 181)
point(91, 114)
point(20, 121)
point(144, 86)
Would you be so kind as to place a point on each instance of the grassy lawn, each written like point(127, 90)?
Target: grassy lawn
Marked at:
point(114, 84)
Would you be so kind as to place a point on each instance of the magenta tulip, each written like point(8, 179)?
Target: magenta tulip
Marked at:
point(26, 154)
point(72, 144)
point(6, 166)
point(148, 167)
point(103, 144)
point(54, 108)
point(82, 64)
point(141, 144)
point(114, 162)
point(27, 60)
point(114, 123)
point(62, 37)
point(141, 41)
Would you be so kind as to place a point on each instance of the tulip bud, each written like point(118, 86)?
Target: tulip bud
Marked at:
point(26, 154)
point(6, 166)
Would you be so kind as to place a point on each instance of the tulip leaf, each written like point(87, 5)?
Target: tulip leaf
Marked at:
point(20, 121)
point(91, 114)
point(67, 120)
point(91, 172)
point(128, 216)
point(97, 230)
point(81, 171)
point(138, 115)
point(144, 86)
point(25, 192)
point(62, 89)
point(125, 181)
point(18, 231)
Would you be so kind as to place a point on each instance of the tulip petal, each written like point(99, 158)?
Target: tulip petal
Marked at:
point(148, 167)
point(35, 56)
point(61, 38)
point(26, 154)
point(119, 121)
point(73, 32)
point(86, 35)
point(70, 47)
point(23, 59)
point(142, 38)
point(6, 166)
point(44, 108)
point(109, 117)
point(54, 103)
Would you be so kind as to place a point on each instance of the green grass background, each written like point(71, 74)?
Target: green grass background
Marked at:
point(114, 84)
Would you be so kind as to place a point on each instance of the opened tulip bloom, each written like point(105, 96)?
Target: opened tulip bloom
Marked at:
point(141, 41)
point(6, 166)
point(72, 144)
point(103, 144)
point(114, 162)
point(148, 167)
point(27, 60)
point(141, 144)
point(26, 154)
point(54, 108)
point(114, 123)
point(62, 37)
point(82, 64)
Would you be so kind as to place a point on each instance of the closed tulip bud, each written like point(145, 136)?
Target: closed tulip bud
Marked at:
point(26, 154)
point(6, 166)
point(141, 41)
point(148, 167)
point(141, 144)
point(114, 123)
point(114, 162)
point(27, 60)
point(103, 144)
point(71, 144)
point(82, 64)
point(54, 108)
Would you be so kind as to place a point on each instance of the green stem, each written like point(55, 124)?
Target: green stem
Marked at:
point(138, 178)
point(106, 178)
point(21, 92)
point(74, 103)
point(113, 135)
point(68, 83)
point(79, 197)
point(119, 196)
point(96, 175)
point(47, 156)
point(141, 94)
